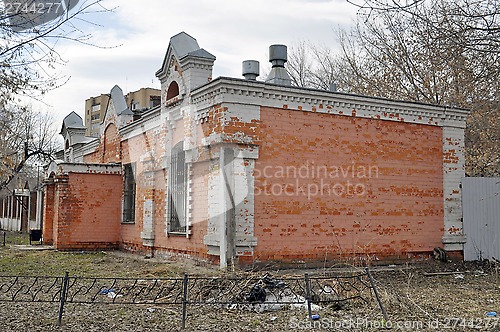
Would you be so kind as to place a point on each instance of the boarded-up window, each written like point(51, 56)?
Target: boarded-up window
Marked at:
point(129, 189)
point(177, 190)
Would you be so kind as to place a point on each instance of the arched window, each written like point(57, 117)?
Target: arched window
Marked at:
point(177, 181)
point(173, 90)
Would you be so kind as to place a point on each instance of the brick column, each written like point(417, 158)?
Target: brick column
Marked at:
point(48, 212)
point(63, 213)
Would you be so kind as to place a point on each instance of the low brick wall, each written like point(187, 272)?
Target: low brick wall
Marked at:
point(83, 207)
point(89, 211)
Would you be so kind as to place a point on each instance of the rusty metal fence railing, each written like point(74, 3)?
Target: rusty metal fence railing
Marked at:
point(190, 290)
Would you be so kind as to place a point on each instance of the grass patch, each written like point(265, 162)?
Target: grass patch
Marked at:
point(16, 238)
point(88, 264)
point(14, 261)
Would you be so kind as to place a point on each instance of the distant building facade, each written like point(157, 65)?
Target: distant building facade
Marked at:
point(21, 205)
point(137, 101)
point(95, 107)
point(240, 171)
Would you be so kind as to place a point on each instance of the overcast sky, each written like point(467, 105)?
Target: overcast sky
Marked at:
point(232, 30)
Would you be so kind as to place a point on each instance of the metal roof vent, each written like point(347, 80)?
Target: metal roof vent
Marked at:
point(278, 74)
point(250, 69)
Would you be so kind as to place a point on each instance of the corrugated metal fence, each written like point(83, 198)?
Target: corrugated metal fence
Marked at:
point(481, 216)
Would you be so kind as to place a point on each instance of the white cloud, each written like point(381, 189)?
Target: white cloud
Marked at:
point(231, 30)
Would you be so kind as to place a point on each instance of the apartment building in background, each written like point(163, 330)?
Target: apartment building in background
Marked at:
point(137, 101)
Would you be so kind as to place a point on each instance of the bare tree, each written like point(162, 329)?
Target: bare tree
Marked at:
point(26, 137)
point(299, 65)
point(30, 31)
point(443, 52)
point(311, 66)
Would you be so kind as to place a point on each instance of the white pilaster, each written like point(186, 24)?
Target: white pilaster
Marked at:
point(453, 171)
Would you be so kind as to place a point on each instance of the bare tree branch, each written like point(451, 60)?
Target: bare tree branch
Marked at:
point(444, 52)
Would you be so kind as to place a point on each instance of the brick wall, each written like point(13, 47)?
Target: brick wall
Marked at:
point(93, 157)
point(89, 211)
point(147, 151)
point(353, 186)
point(111, 149)
point(348, 187)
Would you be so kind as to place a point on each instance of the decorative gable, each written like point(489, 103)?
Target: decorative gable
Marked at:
point(185, 67)
point(117, 112)
point(73, 132)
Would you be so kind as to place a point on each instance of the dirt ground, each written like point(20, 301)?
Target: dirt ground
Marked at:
point(413, 299)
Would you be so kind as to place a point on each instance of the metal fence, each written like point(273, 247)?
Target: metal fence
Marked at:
point(188, 290)
point(481, 218)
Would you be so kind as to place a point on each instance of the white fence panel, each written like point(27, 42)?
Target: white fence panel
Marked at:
point(10, 224)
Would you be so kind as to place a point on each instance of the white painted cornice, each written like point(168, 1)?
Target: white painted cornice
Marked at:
point(58, 167)
point(239, 91)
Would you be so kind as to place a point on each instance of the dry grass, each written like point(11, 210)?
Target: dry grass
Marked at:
point(424, 303)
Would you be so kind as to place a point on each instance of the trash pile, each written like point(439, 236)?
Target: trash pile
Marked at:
point(258, 292)
point(269, 294)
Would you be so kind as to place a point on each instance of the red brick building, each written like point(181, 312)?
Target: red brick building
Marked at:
point(238, 170)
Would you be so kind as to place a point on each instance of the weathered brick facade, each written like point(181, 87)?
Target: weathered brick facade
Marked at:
point(354, 186)
point(268, 173)
point(86, 206)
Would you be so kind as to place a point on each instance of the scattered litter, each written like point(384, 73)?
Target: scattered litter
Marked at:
point(257, 294)
point(232, 306)
point(111, 293)
point(491, 314)
point(299, 298)
point(315, 317)
point(105, 291)
point(272, 319)
point(269, 294)
point(273, 283)
point(459, 276)
point(151, 309)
